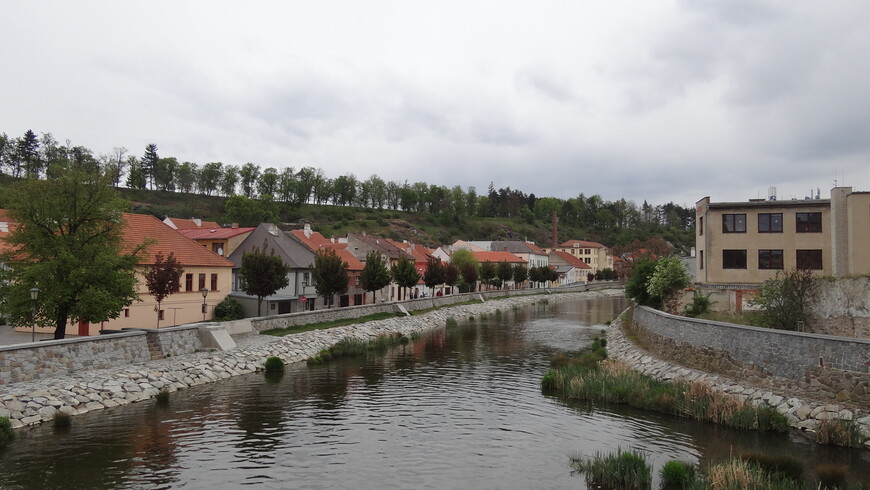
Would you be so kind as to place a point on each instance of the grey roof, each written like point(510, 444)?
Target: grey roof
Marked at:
point(288, 247)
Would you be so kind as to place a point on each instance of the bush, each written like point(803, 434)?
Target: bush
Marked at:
point(839, 432)
point(785, 300)
point(628, 470)
point(229, 309)
point(274, 364)
point(700, 305)
point(678, 474)
point(7, 433)
point(162, 396)
point(62, 420)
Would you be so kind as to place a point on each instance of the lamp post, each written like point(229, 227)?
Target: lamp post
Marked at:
point(204, 292)
point(34, 295)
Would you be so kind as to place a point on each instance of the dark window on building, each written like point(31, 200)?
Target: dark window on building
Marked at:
point(214, 282)
point(188, 282)
point(160, 315)
point(770, 223)
point(809, 259)
point(733, 223)
point(701, 225)
point(734, 259)
point(126, 312)
point(809, 222)
point(201, 282)
point(770, 259)
point(701, 262)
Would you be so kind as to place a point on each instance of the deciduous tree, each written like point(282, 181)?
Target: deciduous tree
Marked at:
point(375, 274)
point(405, 273)
point(434, 274)
point(163, 278)
point(330, 273)
point(263, 273)
point(68, 244)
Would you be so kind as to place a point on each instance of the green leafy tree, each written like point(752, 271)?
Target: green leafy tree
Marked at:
point(229, 309)
point(451, 274)
point(636, 286)
point(330, 274)
point(469, 275)
point(488, 273)
point(375, 274)
point(405, 273)
point(434, 274)
point(504, 272)
point(250, 212)
point(520, 274)
point(210, 178)
point(263, 274)
point(68, 244)
point(248, 174)
point(136, 176)
point(785, 300)
point(669, 277)
point(536, 275)
point(229, 180)
point(163, 278)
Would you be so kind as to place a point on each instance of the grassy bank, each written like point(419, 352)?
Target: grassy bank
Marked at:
point(591, 376)
point(280, 332)
point(632, 470)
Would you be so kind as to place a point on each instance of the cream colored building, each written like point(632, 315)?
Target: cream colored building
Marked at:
point(749, 242)
point(593, 254)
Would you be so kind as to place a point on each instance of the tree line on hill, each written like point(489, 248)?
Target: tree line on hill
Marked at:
point(31, 156)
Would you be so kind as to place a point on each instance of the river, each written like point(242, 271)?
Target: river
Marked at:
point(459, 408)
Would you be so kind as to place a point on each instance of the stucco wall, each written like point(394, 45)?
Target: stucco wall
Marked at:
point(825, 367)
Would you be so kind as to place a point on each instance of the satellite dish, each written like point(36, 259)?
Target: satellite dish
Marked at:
point(221, 252)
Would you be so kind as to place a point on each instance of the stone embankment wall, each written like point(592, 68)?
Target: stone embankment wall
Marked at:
point(758, 365)
point(29, 362)
point(34, 402)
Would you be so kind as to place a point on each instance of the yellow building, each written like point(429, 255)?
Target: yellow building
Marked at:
point(593, 254)
point(749, 242)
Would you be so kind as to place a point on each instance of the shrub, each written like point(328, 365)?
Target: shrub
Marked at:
point(162, 396)
point(229, 309)
point(451, 322)
point(678, 474)
point(415, 336)
point(700, 304)
point(7, 433)
point(839, 432)
point(548, 382)
point(785, 300)
point(62, 420)
point(274, 364)
point(627, 470)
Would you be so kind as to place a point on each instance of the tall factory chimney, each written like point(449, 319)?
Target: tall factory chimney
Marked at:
point(555, 230)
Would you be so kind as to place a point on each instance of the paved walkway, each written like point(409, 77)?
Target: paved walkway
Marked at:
point(8, 336)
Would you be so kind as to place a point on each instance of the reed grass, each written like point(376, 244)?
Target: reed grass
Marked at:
point(623, 470)
point(840, 432)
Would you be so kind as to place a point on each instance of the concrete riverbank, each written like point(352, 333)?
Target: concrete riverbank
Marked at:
point(35, 402)
point(802, 413)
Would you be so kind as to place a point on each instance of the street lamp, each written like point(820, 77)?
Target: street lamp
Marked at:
point(34, 295)
point(204, 292)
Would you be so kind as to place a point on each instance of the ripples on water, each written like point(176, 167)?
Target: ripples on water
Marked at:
point(461, 408)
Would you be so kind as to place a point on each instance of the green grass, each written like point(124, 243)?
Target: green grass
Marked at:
point(7, 433)
point(590, 376)
point(280, 332)
point(623, 470)
point(354, 347)
point(840, 432)
point(274, 364)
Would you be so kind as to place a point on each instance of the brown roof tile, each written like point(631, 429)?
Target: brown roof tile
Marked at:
point(141, 227)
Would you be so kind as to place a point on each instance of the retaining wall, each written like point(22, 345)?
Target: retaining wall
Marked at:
point(38, 360)
point(823, 367)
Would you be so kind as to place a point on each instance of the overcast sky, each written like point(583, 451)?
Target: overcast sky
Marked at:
point(647, 100)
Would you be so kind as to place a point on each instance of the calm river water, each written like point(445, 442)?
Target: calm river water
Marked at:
point(460, 408)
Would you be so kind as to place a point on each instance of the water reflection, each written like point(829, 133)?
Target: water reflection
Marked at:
point(461, 407)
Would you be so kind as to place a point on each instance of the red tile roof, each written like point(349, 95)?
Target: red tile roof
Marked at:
point(213, 233)
point(570, 259)
point(141, 227)
point(498, 257)
point(315, 241)
point(535, 249)
point(189, 224)
point(419, 252)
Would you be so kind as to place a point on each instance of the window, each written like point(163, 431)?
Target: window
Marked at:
point(733, 223)
point(701, 263)
point(126, 312)
point(770, 259)
point(214, 282)
point(160, 315)
point(770, 223)
point(188, 282)
point(734, 259)
point(809, 223)
point(216, 247)
point(201, 282)
point(701, 225)
point(305, 278)
point(809, 259)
